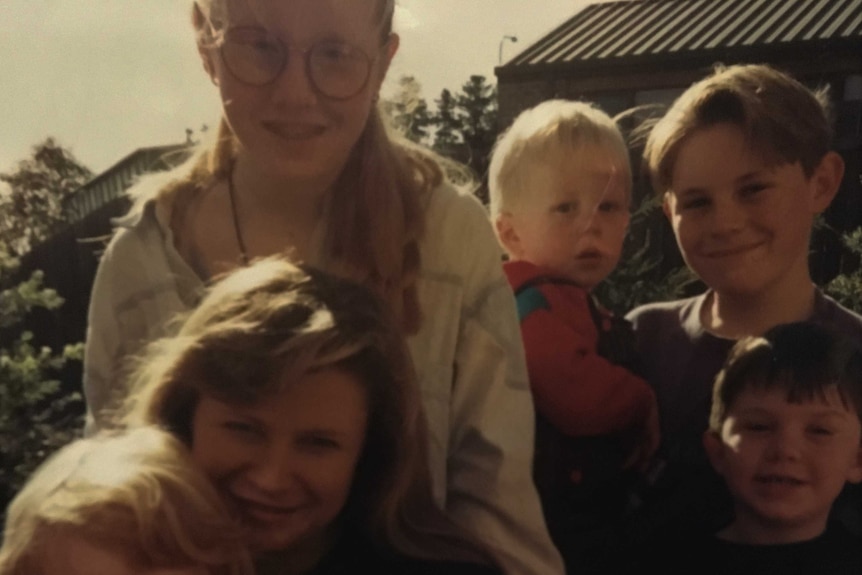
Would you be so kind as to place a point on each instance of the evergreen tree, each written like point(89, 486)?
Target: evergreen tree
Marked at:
point(477, 109)
point(408, 110)
point(38, 188)
point(447, 123)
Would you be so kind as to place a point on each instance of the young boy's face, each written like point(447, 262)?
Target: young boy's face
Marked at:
point(785, 463)
point(742, 226)
point(574, 219)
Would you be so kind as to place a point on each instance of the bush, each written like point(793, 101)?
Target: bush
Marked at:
point(846, 288)
point(645, 274)
point(36, 415)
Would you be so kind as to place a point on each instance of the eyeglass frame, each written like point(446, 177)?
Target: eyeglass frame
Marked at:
point(286, 48)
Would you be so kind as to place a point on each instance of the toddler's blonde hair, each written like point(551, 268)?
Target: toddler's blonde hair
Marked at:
point(544, 135)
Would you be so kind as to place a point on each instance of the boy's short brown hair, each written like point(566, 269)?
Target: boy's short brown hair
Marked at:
point(782, 119)
point(803, 358)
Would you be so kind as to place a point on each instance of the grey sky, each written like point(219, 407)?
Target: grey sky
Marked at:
point(108, 76)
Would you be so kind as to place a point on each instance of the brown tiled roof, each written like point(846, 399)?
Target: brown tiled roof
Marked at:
point(634, 30)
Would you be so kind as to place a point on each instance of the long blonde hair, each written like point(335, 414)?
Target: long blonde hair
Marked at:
point(135, 493)
point(273, 322)
point(383, 181)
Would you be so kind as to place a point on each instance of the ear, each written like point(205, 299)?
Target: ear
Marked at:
point(826, 180)
point(715, 450)
point(392, 47)
point(507, 234)
point(389, 51)
point(854, 475)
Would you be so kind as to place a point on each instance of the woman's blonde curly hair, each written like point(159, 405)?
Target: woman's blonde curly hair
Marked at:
point(267, 325)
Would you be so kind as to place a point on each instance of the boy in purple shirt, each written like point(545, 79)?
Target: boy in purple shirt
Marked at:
point(785, 434)
point(743, 162)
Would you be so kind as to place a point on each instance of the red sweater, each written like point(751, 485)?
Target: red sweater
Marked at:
point(578, 391)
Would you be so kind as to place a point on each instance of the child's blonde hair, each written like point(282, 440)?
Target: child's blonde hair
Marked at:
point(270, 323)
point(781, 119)
point(543, 135)
point(135, 493)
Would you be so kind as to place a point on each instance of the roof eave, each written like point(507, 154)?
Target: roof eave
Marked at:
point(830, 51)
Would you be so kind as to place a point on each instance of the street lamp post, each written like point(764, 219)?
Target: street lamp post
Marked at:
point(512, 39)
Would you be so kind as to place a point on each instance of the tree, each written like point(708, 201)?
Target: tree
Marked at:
point(36, 414)
point(408, 110)
point(476, 111)
point(477, 107)
point(448, 126)
point(463, 126)
point(846, 287)
point(38, 188)
point(36, 417)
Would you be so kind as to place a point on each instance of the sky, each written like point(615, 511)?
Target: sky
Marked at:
point(105, 77)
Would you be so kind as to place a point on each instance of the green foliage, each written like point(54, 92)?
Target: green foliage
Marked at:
point(447, 122)
point(38, 187)
point(643, 275)
point(15, 303)
point(476, 107)
point(463, 126)
point(846, 288)
point(36, 415)
point(408, 110)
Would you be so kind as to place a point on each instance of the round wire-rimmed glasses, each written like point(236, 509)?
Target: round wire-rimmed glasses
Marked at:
point(256, 57)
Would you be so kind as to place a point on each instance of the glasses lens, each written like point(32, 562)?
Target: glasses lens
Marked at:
point(337, 69)
point(252, 55)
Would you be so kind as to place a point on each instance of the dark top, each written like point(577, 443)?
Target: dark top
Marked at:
point(356, 555)
point(590, 409)
point(680, 360)
point(836, 552)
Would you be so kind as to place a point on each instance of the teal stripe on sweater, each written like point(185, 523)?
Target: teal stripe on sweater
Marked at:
point(530, 300)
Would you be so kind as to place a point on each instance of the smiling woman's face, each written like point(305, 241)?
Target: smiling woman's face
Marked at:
point(285, 464)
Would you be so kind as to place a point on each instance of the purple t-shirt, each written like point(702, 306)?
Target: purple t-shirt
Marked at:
point(680, 360)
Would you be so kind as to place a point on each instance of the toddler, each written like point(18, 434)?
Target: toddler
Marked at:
point(560, 186)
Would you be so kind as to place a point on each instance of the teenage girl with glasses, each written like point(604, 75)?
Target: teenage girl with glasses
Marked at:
point(302, 166)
